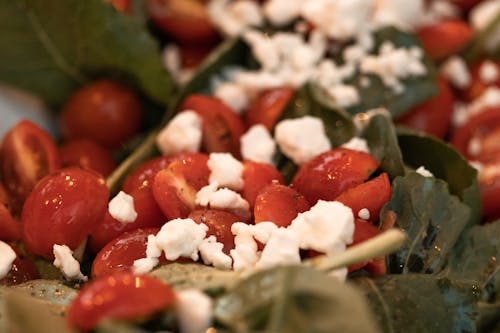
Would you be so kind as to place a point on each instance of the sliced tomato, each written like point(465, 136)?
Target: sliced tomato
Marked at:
point(434, 115)
point(257, 175)
point(222, 127)
point(27, 154)
point(489, 187)
point(193, 54)
point(279, 204)
point(363, 231)
point(445, 38)
point(329, 174)
point(22, 270)
point(10, 228)
point(87, 154)
point(477, 86)
point(267, 108)
point(465, 5)
point(121, 296)
point(175, 187)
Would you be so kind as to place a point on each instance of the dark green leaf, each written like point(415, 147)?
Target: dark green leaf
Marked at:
point(114, 326)
point(52, 291)
point(50, 47)
point(476, 48)
point(293, 299)
point(432, 218)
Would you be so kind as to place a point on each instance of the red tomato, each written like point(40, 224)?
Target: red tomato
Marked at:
point(257, 175)
point(445, 38)
point(184, 20)
point(434, 115)
point(120, 253)
point(267, 108)
point(88, 155)
point(371, 195)
point(120, 5)
point(489, 187)
point(477, 86)
point(465, 5)
point(193, 54)
point(63, 208)
point(326, 176)
point(219, 224)
point(27, 154)
point(222, 128)
point(279, 204)
point(22, 270)
point(122, 296)
point(175, 187)
point(104, 111)
point(363, 231)
point(10, 229)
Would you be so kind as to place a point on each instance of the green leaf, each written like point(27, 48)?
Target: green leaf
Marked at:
point(445, 163)
point(52, 291)
point(293, 299)
point(51, 47)
point(476, 48)
point(432, 218)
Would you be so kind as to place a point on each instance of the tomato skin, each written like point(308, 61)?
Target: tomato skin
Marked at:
point(222, 128)
point(363, 231)
point(445, 38)
point(63, 208)
point(27, 154)
point(98, 107)
point(490, 192)
point(371, 195)
point(434, 115)
point(256, 175)
point(329, 174)
point(121, 5)
point(267, 108)
point(466, 5)
point(22, 270)
point(477, 86)
point(87, 154)
point(10, 228)
point(279, 204)
point(120, 296)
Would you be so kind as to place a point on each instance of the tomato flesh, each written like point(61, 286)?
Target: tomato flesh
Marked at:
point(22, 270)
point(256, 176)
point(267, 108)
point(363, 231)
point(445, 38)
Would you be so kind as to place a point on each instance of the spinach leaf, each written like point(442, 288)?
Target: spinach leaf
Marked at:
point(293, 299)
point(50, 47)
point(432, 218)
point(53, 291)
point(477, 46)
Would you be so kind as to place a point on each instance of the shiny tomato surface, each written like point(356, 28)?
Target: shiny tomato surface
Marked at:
point(445, 38)
point(87, 154)
point(256, 176)
point(267, 108)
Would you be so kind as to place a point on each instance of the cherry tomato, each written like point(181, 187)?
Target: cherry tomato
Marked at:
point(465, 5)
point(329, 174)
point(10, 229)
point(489, 187)
point(477, 86)
point(104, 111)
point(257, 175)
point(222, 128)
point(363, 231)
point(119, 296)
point(219, 224)
point(63, 208)
point(120, 5)
point(175, 187)
point(27, 154)
point(445, 38)
point(184, 20)
point(434, 115)
point(22, 270)
point(88, 155)
point(193, 54)
point(279, 204)
point(267, 108)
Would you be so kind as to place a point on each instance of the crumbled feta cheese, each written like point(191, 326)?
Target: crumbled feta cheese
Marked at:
point(301, 139)
point(424, 172)
point(245, 253)
point(474, 147)
point(144, 265)
point(262, 231)
point(489, 98)
point(182, 133)
point(404, 15)
point(258, 145)
point(488, 173)
point(476, 165)
point(327, 227)
point(364, 214)
point(344, 95)
point(172, 58)
point(456, 71)
point(488, 72)
point(227, 199)
point(232, 94)
point(7, 257)
point(263, 48)
point(194, 311)
point(282, 248)
point(481, 16)
point(181, 238)
point(68, 265)
point(354, 53)
point(225, 170)
point(281, 12)
point(357, 143)
point(438, 10)
point(339, 274)
point(234, 17)
point(204, 194)
point(121, 208)
point(212, 254)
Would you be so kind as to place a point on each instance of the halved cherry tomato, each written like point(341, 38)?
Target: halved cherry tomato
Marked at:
point(465, 5)
point(434, 115)
point(222, 128)
point(257, 175)
point(10, 229)
point(87, 154)
point(219, 224)
point(63, 208)
point(104, 111)
point(193, 54)
point(371, 195)
point(22, 270)
point(279, 204)
point(329, 174)
point(477, 86)
point(267, 108)
point(27, 154)
point(121, 5)
point(175, 187)
point(184, 20)
point(445, 38)
point(489, 187)
point(119, 296)
point(363, 231)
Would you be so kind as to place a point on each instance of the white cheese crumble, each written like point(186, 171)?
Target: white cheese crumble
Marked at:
point(68, 265)
point(7, 257)
point(282, 248)
point(364, 214)
point(194, 311)
point(424, 172)
point(258, 145)
point(488, 72)
point(401, 14)
point(481, 16)
point(456, 71)
point(489, 98)
point(212, 254)
point(122, 209)
point(357, 143)
point(474, 146)
point(344, 95)
point(153, 252)
point(182, 133)
point(223, 198)
point(225, 170)
point(301, 139)
point(181, 238)
point(282, 12)
point(233, 95)
point(234, 17)
point(245, 253)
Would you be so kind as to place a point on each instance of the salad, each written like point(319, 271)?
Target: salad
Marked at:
point(252, 166)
